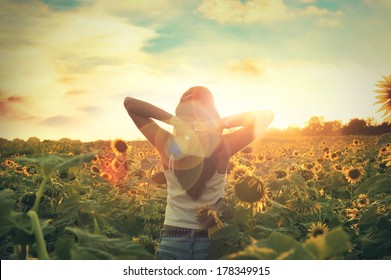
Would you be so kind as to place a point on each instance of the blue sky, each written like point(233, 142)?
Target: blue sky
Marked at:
point(67, 65)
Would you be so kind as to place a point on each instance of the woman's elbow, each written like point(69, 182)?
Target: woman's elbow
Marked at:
point(127, 102)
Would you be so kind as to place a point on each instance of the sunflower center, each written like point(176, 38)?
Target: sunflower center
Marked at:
point(354, 173)
point(121, 146)
point(317, 232)
point(362, 201)
point(280, 174)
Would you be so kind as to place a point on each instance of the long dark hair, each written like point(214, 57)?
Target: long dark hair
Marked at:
point(198, 102)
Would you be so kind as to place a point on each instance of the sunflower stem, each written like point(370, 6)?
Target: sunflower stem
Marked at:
point(39, 194)
point(36, 228)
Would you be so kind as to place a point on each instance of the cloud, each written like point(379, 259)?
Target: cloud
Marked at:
point(14, 107)
point(244, 66)
point(313, 11)
point(75, 92)
point(91, 109)
point(265, 11)
point(324, 17)
point(58, 120)
point(234, 11)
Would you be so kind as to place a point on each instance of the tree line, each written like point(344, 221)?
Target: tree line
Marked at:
point(317, 126)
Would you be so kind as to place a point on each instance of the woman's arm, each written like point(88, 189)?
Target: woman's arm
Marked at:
point(142, 114)
point(252, 124)
point(136, 107)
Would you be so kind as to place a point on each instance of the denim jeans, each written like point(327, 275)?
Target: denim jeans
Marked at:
point(182, 248)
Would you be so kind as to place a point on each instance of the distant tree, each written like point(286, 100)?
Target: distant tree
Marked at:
point(35, 141)
point(332, 128)
point(292, 131)
point(355, 126)
point(314, 126)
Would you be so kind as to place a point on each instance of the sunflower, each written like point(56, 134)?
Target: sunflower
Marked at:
point(95, 159)
point(19, 169)
point(107, 176)
point(293, 168)
point(116, 165)
point(261, 158)
point(295, 153)
point(354, 174)
point(95, 169)
point(141, 155)
point(303, 206)
point(119, 147)
point(356, 142)
point(334, 156)
point(317, 168)
point(317, 229)
point(387, 160)
point(280, 174)
point(362, 200)
point(384, 97)
point(326, 155)
point(209, 219)
point(30, 170)
point(351, 213)
point(337, 167)
point(307, 175)
point(239, 171)
point(10, 163)
point(251, 192)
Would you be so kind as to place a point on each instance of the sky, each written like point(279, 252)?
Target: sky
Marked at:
point(66, 66)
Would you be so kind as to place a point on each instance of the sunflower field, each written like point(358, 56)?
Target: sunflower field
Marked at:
point(303, 198)
point(286, 198)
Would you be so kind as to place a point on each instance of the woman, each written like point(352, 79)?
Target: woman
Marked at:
point(195, 159)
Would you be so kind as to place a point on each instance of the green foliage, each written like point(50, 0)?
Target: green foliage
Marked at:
point(87, 246)
point(384, 140)
point(61, 209)
point(279, 246)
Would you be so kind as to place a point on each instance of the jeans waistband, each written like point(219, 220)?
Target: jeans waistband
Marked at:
point(171, 231)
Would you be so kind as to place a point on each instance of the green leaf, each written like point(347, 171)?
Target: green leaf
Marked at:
point(297, 180)
point(286, 247)
point(381, 186)
point(367, 186)
point(253, 252)
point(76, 160)
point(52, 163)
point(98, 247)
point(6, 203)
point(377, 245)
point(368, 218)
point(276, 246)
point(384, 139)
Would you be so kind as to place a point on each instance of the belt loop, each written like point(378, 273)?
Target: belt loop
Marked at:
point(192, 232)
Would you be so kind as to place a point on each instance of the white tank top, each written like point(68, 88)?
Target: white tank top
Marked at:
point(181, 208)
